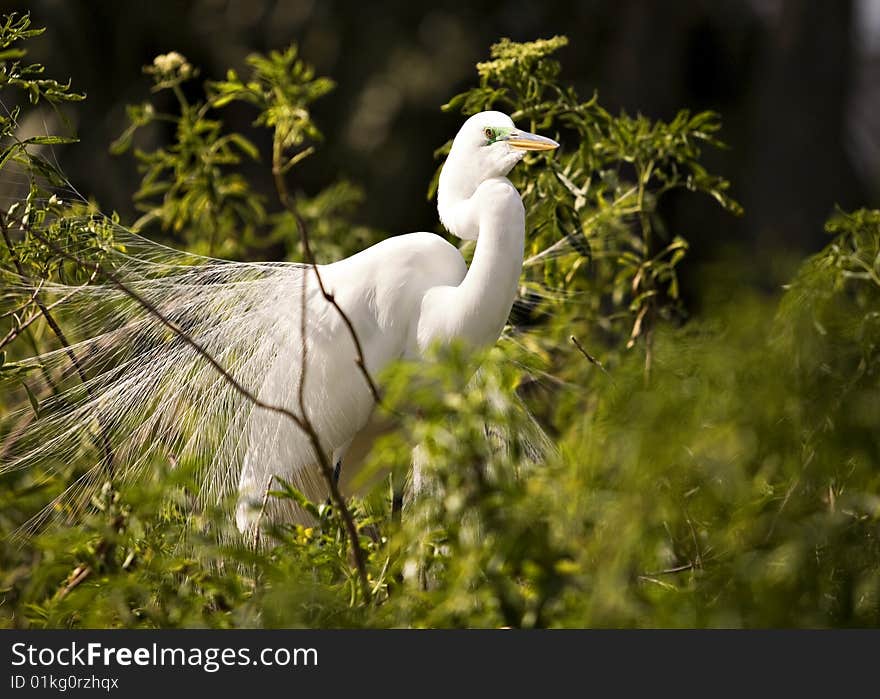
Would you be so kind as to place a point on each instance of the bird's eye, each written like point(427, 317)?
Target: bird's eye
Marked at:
point(490, 134)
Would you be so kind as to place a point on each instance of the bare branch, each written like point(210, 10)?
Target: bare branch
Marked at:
point(278, 171)
point(590, 357)
point(80, 573)
point(670, 571)
point(286, 198)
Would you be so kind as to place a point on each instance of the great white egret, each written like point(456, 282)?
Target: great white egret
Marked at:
point(157, 398)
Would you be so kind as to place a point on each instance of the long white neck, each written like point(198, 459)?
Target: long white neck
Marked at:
point(493, 214)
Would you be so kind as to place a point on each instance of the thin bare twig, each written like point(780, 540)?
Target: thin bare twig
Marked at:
point(670, 571)
point(278, 171)
point(649, 348)
point(590, 357)
point(80, 573)
point(655, 581)
point(286, 198)
point(22, 326)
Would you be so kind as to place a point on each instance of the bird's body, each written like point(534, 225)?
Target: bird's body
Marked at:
point(384, 308)
point(153, 396)
point(413, 291)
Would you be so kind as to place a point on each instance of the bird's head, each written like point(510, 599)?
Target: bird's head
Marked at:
point(487, 145)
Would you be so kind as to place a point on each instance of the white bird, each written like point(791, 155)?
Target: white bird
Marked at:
point(158, 399)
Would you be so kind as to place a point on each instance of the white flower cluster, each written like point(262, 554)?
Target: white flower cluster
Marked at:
point(172, 63)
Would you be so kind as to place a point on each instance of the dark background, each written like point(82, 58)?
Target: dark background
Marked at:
point(797, 82)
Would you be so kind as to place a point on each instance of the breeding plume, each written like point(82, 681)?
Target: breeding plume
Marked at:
point(154, 397)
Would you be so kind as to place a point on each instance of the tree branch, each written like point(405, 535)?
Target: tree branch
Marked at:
point(278, 170)
point(590, 357)
point(286, 198)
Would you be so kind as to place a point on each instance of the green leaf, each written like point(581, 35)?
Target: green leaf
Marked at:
point(290, 492)
point(35, 404)
point(9, 54)
point(246, 146)
point(49, 140)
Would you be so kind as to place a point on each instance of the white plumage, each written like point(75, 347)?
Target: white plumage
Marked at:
point(158, 399)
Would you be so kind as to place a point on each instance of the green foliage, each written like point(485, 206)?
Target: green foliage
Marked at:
point(329, 217)
point(192, 185)
point(17, 78)
point(281, 87)
point(23, 257)
point(27, 77)
point(197, 184)
point(734, 485)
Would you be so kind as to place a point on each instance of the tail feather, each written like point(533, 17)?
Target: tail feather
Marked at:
point(148, 393)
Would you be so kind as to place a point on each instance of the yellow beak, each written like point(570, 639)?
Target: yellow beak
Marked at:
point(529, 141)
